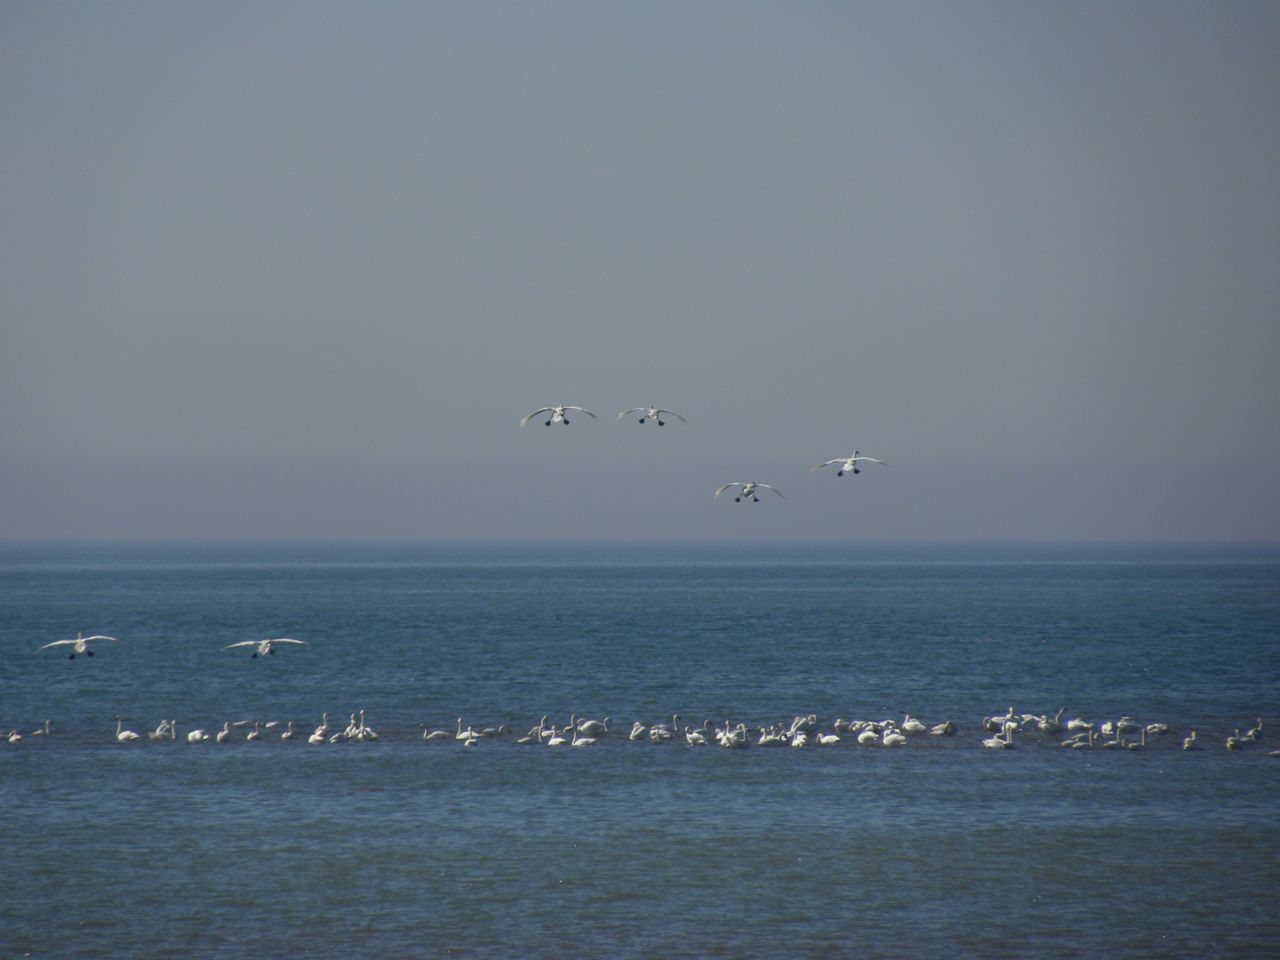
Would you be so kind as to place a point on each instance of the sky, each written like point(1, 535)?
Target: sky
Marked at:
point(297, 270)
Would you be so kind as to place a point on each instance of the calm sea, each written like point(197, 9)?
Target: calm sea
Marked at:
point(398, 847)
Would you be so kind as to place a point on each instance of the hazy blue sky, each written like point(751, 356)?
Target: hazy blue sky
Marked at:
point(298, 269)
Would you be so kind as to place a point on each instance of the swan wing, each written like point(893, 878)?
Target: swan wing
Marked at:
point(242, 643)
point(827, 463)
point(868, 460)
point(286, 640)
point(633, 410)
point(99, 636)
point(534, 414)
point(582, 410)
point(674, 414)
point(726, 486)
point(769, 486)
point(56, 643)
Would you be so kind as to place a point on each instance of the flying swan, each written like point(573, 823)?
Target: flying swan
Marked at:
point(850, 464)
point(79, 645)
point(653, 413)
point(748, 490)
point(557, 414)
point(264, 647)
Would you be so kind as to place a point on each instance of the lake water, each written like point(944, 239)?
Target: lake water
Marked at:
point(404, 848)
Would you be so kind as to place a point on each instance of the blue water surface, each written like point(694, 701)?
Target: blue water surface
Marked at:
point(397, 847)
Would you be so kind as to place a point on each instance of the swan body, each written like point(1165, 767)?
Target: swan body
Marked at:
point(1001, 742)
point(653, 413)
point(748, 490)
point(868, 737)
point(123, 735)
point(14, 737)
point(912, 726)
point(944, 729)
point(557, 414)
point(288, 734)
point(1189, 743)
point(892, 738)
point(263, 647)
point(594, 728)
point(42, 731)
point(80, 644)
point(848, 464)
point(197, 736)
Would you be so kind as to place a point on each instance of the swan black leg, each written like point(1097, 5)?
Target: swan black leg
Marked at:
point(72, 657)
point(272, 652)
point(253, 656)
point(566, 421)
point(839, 473)
point(547, 424)
point(662, 423)
point(856, 471)
point(88, 653)
point(737, 499)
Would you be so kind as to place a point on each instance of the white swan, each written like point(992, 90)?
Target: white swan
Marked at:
point(288, 734)
point(557, 414)
point(748, 490)
point(263, 647)
point(653, 413)
point(197, 736)
point(123, 735)
point(80, 644)
point(850, 464)
point(161, 732)
point(892, 738)
point(1189, 743)
point(14, 737)
point(255, 733)
point(868, 737)
point(1001, 743)
point(580, 741)
point(594, 728)
point(224, 735)
point(912, 726)
point(43, 731)
point(944, 729)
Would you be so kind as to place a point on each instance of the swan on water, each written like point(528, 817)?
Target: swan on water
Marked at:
point(557, 414)
point(849, 464)
point(912, 726)
point(748, 490)
point(262, 647)
point(892, 738)
point(14, 737)
point(944, 729)
point(123, 735)
point(653, 413)
point(42, 731)
point(197, 736)
point(1189, 743)
point(224, 735)
point(594, 728)
point(288, 734)
point(1001, 743)
point(80, 644)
